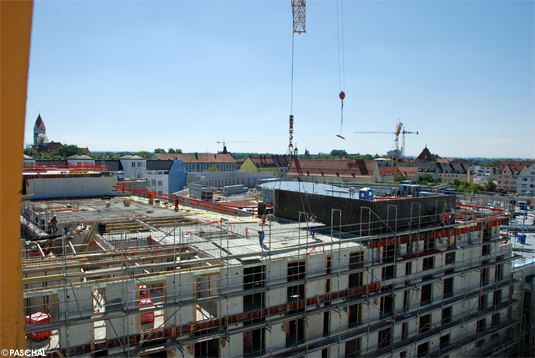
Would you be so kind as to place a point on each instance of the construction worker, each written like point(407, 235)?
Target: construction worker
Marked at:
point(176, 202)
point(54, 224)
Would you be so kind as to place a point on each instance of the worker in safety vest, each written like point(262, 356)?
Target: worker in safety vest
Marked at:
point(176, 202)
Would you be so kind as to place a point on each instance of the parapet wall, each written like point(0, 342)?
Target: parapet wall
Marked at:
point(401, 213)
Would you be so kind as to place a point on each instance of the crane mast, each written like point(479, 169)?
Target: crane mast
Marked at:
point(299, 27)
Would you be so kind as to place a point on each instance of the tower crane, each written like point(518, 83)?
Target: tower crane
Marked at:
point(403, 141)
point(299, 27)
point(396, 133)
point(225, 145)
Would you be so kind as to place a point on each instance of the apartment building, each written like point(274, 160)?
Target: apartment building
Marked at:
point(526, 180)
point(325, 276)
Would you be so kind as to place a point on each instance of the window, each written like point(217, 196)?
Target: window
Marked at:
point(497, 297)
point(448, 287)
point(446, 315)
point(495, 319)
point(428, 263)
point(481, 325)
point(498, 274)
point(482, 302)
point(423, 349)
point(450, 258)
point(444, 340)
point(480, 343)
point(353, 348)
point(425, 323)
point(388, 272)
point(160, 183)
point(408, 268)
point(426, 294)
point(484, 276)
point(485, 250)
point(133, 164)
point(404, 331)
point(385, 338)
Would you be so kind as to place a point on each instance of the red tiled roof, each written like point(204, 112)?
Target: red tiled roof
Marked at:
point(426, 155)
point(513, 166)
point(197, 157)
point(50, 147)
point(409, 172)
point(330, 167)
point(262, 161)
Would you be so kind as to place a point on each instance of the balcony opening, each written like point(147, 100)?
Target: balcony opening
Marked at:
point(385, 338)
point(444, 340)
point(423, 349)
point(425, 323)
point(427, 294)
point(448, 287)
point(355, 315)
point(353, 348)
point(446, 315)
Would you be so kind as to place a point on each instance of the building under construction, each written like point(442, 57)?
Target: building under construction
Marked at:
point(322, 276)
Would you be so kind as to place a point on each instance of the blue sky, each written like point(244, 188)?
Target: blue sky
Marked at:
point(136, 75)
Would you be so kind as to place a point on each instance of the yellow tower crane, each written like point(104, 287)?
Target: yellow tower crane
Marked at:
point(396, 133)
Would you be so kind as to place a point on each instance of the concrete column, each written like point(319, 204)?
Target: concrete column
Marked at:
point(78, 304)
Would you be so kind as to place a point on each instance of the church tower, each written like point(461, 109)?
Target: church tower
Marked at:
point(38, 128)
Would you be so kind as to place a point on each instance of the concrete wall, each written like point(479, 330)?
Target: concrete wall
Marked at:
point(288, 204)
point(69, 187)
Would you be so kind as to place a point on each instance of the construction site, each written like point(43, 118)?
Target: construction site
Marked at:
point(313, 275)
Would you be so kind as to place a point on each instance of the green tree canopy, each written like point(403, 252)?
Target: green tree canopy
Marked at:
point(339, 153)
point(144, 154)
point(427, 178)
point(213, 169)
point(455, 183)
point(159, 150)
point(490, 185)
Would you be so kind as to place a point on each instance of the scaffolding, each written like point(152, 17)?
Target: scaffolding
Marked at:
point(140, 281)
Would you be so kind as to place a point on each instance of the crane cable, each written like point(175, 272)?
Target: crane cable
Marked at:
point(341, 64)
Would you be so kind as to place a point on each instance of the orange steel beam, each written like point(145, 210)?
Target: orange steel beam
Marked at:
point(15, 32)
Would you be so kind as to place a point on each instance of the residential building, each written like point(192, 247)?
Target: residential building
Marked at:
point(445, 169)
point(525, 182)
point(276, 165)
point(335, 171)
point(199, 162)
point(165, 176)
point(325, 276)
point(506, 174)
point(134, 166)
point(387, 174)
point(80, 159)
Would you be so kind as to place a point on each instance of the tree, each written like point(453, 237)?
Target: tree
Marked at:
point(144, 154)
point(476, 188)
point(401, 178)
point(338, 153)
point(455, 183)
point(427, 178)
point(464, 184)
point(178, 151)
point(32, 152)
point(490, 185)
point(213, 169)
point(159, 150)
point(307, 153)
point(171, 151)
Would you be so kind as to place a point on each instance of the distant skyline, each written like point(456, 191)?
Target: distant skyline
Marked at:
point(137, 75)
